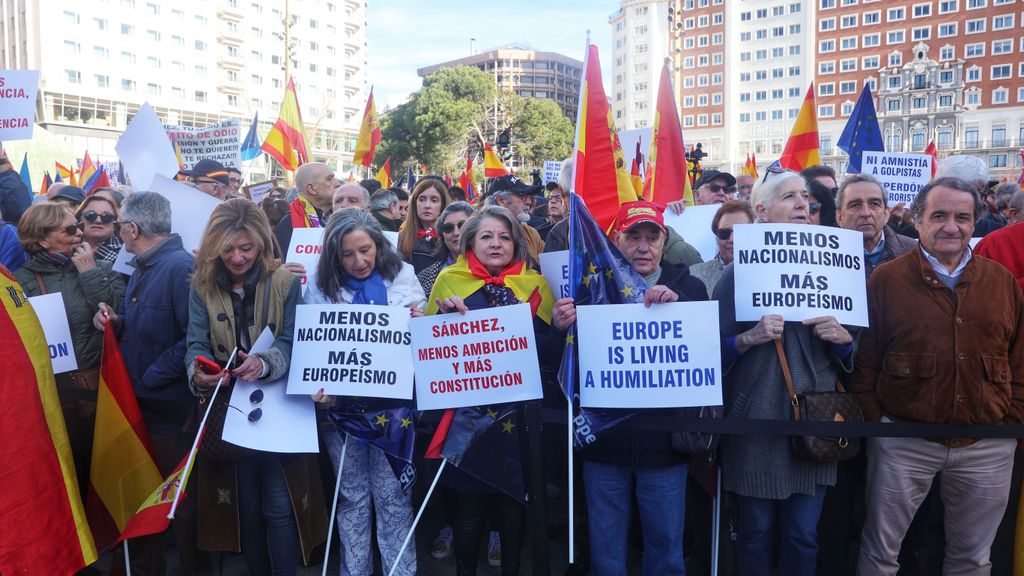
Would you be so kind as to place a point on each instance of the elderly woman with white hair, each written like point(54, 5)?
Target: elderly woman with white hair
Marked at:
point(777, 492)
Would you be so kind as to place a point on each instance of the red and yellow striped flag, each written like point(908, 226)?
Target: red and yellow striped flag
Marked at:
point(667, 177)
point(384, 174)
point(801, 149)
point(601, 178)
point(369, 135)
point(152, 516)
point(123, 471)
point(286, 141)
point(493, 166)
point(43, 529)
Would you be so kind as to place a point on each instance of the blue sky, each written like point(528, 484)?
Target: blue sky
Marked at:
point(404, 35)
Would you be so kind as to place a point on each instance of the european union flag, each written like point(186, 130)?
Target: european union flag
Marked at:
point(410, 179)
point(484, 442)
point(251, 144)
point(384, 423)
point(598, 274)
point(861, 133)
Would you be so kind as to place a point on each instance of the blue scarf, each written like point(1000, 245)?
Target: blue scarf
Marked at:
point(368, 291)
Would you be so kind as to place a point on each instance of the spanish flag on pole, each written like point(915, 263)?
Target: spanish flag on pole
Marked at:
point(384, 174)
point(600, 175)
point(286, 141)
point(42, 521)
point(153, 515)
point(493, 166)
point(369, 135)
point(801, 149)
point(123, 471)
point(667, 177)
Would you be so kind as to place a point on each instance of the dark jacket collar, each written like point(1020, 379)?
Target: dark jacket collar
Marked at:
point(166, 245)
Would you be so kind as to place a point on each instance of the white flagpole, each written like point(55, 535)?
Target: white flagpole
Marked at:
point(334, 506)
point(195, 443)
point(416, 520)
point(572, 496)
point(716, 521)
point(127, 561)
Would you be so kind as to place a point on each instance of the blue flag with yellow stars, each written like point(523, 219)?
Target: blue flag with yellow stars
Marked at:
point(861, 133)
point(382, 422)
point(598, 274)
point(483, 441)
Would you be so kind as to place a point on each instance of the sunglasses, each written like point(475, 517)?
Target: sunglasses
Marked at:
point(92, 216)
point(449, 228)
point(773, 169)
point(256, 398)
point(815, 207)
point(723, 233)
point(69, 230)
point(716, 188)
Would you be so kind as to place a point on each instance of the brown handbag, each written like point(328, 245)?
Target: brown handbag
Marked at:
point(213, 448)
point(838, 406)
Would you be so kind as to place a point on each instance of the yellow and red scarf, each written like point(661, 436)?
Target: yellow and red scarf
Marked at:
point(463, 278)
point(303, 214)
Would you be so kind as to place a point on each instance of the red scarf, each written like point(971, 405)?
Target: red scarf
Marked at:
point(428, 233)
point(480, 271)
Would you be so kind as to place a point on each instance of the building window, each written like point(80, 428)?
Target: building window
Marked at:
point(826, 89)
point(947, 30)
point(826, 111)
point(895, 14)
point(848, 87)
point(760, 116)
point(826, 24)
point(72, 18)
point(869, 63)
point(895, 37)
point(1004, 22)
point(1002, 47)
point(946, 77)
point(200, 45)
point(794, 92)
point(974, 74)
point(922, 33)
point(849, 43)
point(922, 10)
point(895, 82)
point(128, 85)
point(849, 21)
point(945, 101)
point(976, 4)
point(794, 49)
point(744, 117)
point(102, 81)
point(974, 98)
point(999, 135)
point(1001, 72)
point(825, 46)
point(127, 29)
point(976, 26)
point(873, 17)
point(1000, 96)
point(895, 58)
point(946, 53)
point(848, 65)
point(893, 105)
point(101, 23)
point(872, 40)
point(997, 160)
point(948, 6)
point(74, 76)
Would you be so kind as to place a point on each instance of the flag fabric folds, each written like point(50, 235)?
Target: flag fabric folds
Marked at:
point(410, 179)
point(45, 185)
point(801, 149)
point(66, 174)
point(600, 174)
point(384, 174)
point(101, 180)
point(667, 176)
point(87, 173)
point(369, 135)
point(124, 471)
point(286, 141)
point(934, 153)
point(251, 145)
point(635, 176)
point(384, 423)
point(484, 442)
point(151, 517)
point(43, 529)
point(750, 167)
point(753, 166)
point(25, 177)
point(466, 179)
point(861, 133)
point(493, 166)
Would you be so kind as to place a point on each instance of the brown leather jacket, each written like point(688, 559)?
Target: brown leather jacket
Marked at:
point(930, 356)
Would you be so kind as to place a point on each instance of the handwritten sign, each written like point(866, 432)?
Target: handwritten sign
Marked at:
point(351, 350)
point(482, 357)
point(555, 268)
point(551, 170)
point(218, 142)
point(694, 225)
point(902, 175)
point(665, 356)
point(799, 271)
point(18, 103)
point(54, 319)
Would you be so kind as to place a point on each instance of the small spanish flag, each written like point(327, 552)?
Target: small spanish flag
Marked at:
point(384, 174)
point(493, 166)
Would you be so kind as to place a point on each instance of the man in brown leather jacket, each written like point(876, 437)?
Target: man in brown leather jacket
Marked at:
point(945, 345)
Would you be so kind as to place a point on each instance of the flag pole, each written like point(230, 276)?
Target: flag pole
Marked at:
point(195, 443)
point(334, 506)
point(416, 520)
point(127, 560)
point(716, 521)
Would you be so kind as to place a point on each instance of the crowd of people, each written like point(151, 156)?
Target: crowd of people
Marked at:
point(945, 345)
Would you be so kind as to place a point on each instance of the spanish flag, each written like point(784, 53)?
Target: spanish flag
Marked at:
point(123, 471)
point(42, 521)
point(384, 174)
point(634, 171)
point(493, 166)
point(801, 149)
point(369, 135)
point(153, 515)
point(286, 141)
point(667, 177)
point(601, 178)
point(932, 151)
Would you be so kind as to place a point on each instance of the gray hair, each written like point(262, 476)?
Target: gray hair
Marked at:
point(382, 199)
point(1017, 202)
point(918, 205)
point(150, 211)
point(472, 227)
point(305, 174)
point(970, 169)
point(441, 252)
point(565, 175)
point(857, 179)
point(764, 193)
point(353, 186)
point(330, 275)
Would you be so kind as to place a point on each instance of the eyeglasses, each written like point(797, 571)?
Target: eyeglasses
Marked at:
point(201, 181)
point(449, 228)
point(92, 216)
point(234, 180)
point(723, 233)
point(71, 230)
point(256, 398)
point(556, 198)
point(773, 169)
point(716, 188)
point(815, 207)
point(122, 223)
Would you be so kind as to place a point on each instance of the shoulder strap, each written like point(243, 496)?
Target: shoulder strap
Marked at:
point(789, 379)
point(39, 280)
point(268, 287)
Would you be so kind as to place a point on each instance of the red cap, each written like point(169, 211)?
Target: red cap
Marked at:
point(633, 213)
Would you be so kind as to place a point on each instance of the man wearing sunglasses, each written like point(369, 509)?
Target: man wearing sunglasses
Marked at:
point(714, 187)
point(728, 216)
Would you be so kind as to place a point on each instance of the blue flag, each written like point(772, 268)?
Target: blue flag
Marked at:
point(26, 178)
point(384, 423)
point(251, 144)
point(861, 133)
point(410, 179)
point(483, 441)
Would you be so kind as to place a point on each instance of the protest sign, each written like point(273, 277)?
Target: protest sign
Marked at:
point(305, 249)
point(482, 357)
point(551, 170)
point(218, 142)
point(49, 309)
point(351, 350)
point(901, 175)
point(145, 150)
point(18, 103)
point(555, 268)
point(799, 271)
point(190, 209)
point(258, 190)
point(662, 356)
point(694, 225)
point(283, 424)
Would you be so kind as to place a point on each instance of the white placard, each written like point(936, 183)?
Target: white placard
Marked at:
point(305, 248)
point(145, 150)
point(123, 261)
point(555, 268)
point(351, 350)
point(18, 103)
point(258, 191)
point(694, 225)
point(551, 170)
point(190, 209)
point(664, 356)
point(49, 309)
point(218, 142)
point(799, 271)
point(482, 357)
point(902, 175)
point(392, 237)
point(286, 424)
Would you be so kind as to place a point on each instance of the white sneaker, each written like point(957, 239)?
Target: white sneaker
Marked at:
point(441, 547)
point(494, 550)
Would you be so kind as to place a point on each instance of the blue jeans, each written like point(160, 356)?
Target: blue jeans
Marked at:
point(270, 538)
point(661, 496)
point(796, 518)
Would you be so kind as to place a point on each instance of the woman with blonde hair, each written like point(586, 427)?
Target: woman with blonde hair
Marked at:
point(97, 215)
point(418, 238)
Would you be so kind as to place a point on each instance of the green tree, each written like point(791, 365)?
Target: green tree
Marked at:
point(540, 131)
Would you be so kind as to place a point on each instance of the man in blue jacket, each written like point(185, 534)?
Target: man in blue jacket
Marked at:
point(14, 197)
point(152, 324)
